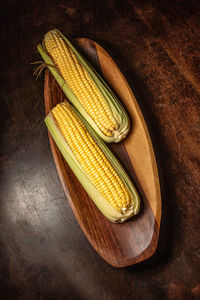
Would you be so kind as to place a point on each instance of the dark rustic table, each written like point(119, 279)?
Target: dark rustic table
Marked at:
point(43, 252)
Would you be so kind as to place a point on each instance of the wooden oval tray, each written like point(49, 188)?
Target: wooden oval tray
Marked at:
point(136, 240)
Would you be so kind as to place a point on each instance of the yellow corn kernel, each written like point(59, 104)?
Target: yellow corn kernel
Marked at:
point(91, 158)
point(80, 82)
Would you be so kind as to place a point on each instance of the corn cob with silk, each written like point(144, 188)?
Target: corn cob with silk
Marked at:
point(97, 169)
point(84, 88)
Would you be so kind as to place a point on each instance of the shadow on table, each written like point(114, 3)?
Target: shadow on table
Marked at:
point(142, 94)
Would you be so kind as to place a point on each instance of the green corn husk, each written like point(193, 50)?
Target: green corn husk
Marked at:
point(116, 107)
point(103, 205)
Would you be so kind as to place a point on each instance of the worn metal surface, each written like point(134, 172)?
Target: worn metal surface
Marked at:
point(43, 253)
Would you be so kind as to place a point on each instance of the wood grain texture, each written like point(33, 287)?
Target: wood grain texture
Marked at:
point(136, 240)
point(43, 252)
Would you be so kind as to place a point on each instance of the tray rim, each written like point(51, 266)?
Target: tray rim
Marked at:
point(66, 188)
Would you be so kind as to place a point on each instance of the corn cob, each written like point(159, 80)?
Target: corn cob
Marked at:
point(84, 88)
point(95, 166)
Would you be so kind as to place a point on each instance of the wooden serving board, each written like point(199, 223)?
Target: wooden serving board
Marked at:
point(136, 240)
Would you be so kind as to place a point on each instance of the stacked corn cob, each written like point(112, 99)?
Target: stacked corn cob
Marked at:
point(84, 88)
point(92, 162)
point(80, 83)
